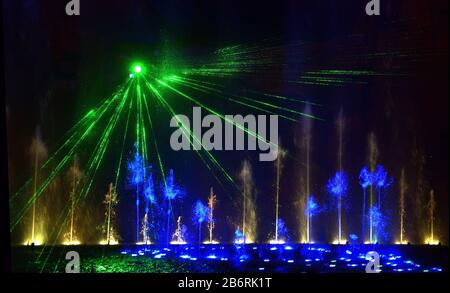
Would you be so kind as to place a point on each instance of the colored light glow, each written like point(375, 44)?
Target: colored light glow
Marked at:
point(279, 241)
point(200, 212)
point(211, 242)
point(137, 69)
point(143, 243)
point(111, 242)
point(176, 242)
point(38, 240)
point(73, 242)
point(404, 242)
point(431, 241)
point(342, 242)
point(241, 241)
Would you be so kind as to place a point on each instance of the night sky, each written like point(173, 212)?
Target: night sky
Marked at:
point(59, 67)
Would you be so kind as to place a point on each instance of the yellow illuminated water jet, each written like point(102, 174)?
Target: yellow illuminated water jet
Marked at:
point(73, 242)
point(38, 240)
point(337, 242)
point(111, 242)
point(241, 241)
point(279, 241)
point(431, 241)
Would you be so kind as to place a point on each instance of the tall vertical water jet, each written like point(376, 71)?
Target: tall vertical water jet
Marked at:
point(199, 215)
point(111, 200)
point(340, 124)
point(402, 207)
point(372, 160)
point(431, 211)
point(248, 204)
point(312, 209)
point(136, 171)
point(305, 145)
point(145, 230)
point(277, 200)
point(337, 187)
point(279, 167)
point(282, 233)
point(365, 180)
point(75, 176)
point(379, 223)
point(39, 152)
point(171, 192)
point(150, 199)
point(211, 222)
point(179, 235)
point(381, 180)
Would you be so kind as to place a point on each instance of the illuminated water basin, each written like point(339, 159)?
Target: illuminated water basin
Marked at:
point(301, 257)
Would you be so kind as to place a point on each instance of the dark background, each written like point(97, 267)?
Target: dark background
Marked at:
point(57, 67)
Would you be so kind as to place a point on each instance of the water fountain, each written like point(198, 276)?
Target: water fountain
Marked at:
point(402, 207)
point(248, 205)
point(212, 199)
point(111, 200)
point(39, 152)
point(305, 179)
point(171, 192)
point(279, 166)
point(75, 176)
point(365, 180)
point(379, 223)
point(431, 211)
point(373, 156)
point(199, 215)
point(337, 187)
point(239, 236)
point(381, 181)
point(312, 209)
point(340, 177)
point(150, 199)
point(179, 234)
point(136, 171)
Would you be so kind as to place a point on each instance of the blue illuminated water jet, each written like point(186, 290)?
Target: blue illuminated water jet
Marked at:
point(337, 187)
point(312, 209)
point(365, 180)
point(282, 230)
point(171, 192)
point(379, 223)
point(136, 178)
point(381, 181)
point(239, 236)
point(199, 214)
point(150, 199)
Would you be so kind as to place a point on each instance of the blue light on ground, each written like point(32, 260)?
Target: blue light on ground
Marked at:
point(290, 258)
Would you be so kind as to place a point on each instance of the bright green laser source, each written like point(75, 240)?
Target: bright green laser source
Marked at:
point(137, 69)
